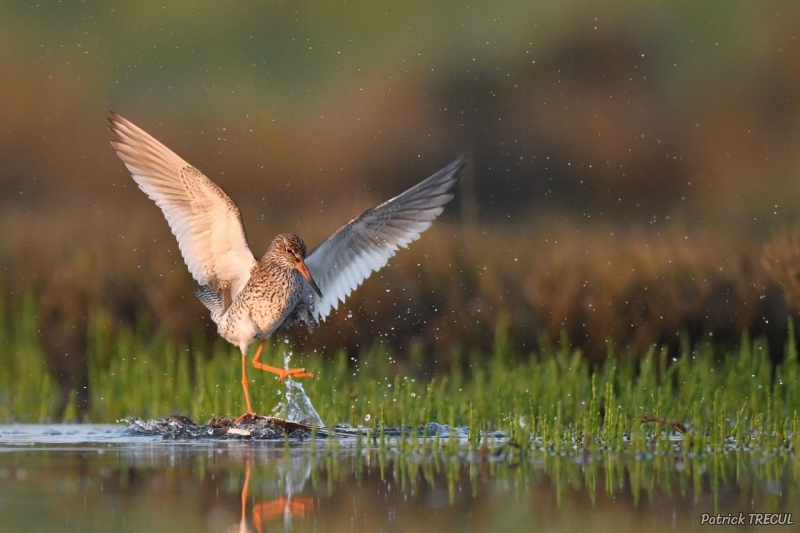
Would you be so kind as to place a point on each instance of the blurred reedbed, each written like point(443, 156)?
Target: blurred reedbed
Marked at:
point(451, 289)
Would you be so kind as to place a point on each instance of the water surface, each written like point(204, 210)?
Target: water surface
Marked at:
point(100, 478)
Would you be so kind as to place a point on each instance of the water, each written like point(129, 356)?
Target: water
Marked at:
point(296, 405)
point(96, 478)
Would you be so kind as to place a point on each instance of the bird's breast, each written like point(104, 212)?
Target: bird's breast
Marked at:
point(265, 302)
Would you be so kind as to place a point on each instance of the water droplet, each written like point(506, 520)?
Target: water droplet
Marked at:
point(413, 394)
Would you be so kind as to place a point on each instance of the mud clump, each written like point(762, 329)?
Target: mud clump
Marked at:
point(250, 427)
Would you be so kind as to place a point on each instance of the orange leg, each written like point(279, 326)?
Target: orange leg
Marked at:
point(282, 374)
point(245, 384)
point(246, 387)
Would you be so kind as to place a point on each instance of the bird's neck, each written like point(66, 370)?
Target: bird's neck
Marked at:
point(275, 266)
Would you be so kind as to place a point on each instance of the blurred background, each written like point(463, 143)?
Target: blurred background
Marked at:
point(633, 176)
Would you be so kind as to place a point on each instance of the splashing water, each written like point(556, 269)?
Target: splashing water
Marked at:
point(296, 405)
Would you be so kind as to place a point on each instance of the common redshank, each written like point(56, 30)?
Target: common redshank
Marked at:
point(251, 299)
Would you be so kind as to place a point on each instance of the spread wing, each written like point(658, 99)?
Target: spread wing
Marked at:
point(344, 260)
point(204, 219)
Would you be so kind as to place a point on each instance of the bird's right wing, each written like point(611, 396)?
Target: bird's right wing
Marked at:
point(344, 260)
point(204, 219)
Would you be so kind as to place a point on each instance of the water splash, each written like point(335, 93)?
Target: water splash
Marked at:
point(296, 405)
point(293, 473)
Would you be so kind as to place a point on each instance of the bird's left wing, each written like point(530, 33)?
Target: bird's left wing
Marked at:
point(344, 260)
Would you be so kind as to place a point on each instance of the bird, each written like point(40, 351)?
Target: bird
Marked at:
point(250, 299)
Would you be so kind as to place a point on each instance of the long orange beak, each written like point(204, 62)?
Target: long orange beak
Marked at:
point(301, 266)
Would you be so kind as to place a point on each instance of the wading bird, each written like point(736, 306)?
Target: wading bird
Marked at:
point(251, 299)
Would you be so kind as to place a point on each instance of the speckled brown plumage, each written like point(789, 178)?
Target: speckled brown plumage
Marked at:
point(272, 293)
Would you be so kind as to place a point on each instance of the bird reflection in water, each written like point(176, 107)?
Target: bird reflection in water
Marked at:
point(285, 506)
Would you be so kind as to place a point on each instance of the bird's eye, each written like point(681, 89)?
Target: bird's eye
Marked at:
point(290, 251)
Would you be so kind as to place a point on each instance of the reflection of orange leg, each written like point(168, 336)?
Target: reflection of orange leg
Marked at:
point(268, 510)
point(244, 493)
point(258, 521)
point(299, 506)
point(282, 374)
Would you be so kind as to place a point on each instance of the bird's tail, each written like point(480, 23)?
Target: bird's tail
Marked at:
point(212, 300)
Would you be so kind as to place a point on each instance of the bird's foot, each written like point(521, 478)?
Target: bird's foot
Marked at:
point(282, 373)
point(248, 417)
point(295, 373)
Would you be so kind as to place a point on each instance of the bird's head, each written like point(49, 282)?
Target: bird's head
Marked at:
point(289, 250)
